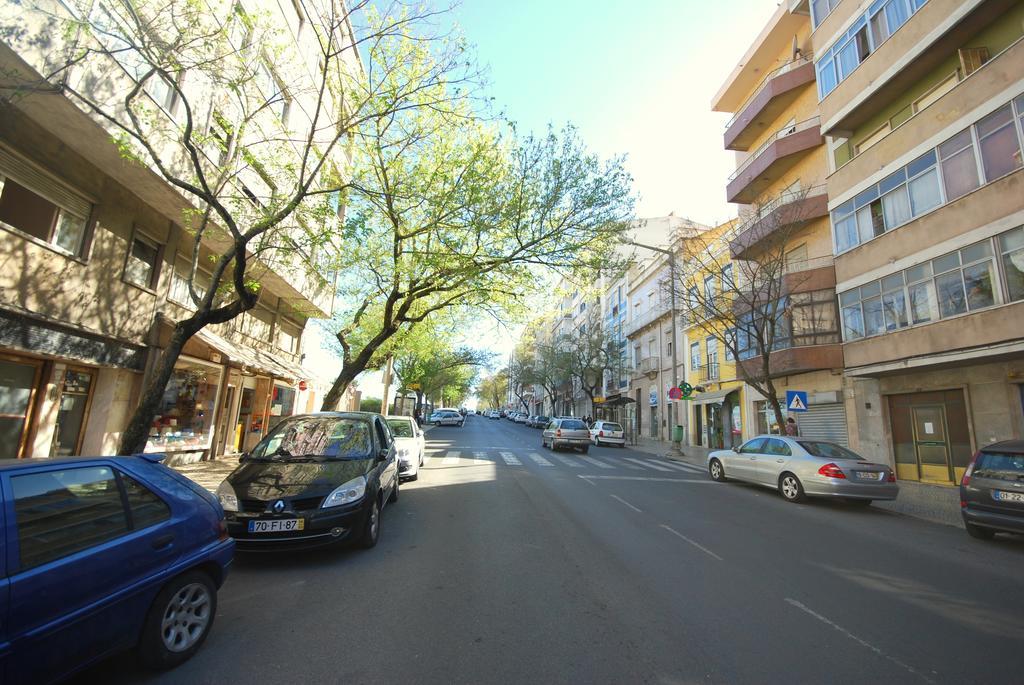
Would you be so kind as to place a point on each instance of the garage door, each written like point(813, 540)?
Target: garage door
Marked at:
point(824, 422)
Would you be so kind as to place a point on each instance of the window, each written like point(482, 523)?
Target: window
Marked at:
point(256, 323)
point(38, 207)
point(728, 283)
point(692, 300)
point(754, 446)
point(288, 337)
point(872, 138)
point(998, 144)
point(777, 448)
point(140, 266)
point(711, 345)
point(695, 355)
point(959, 167)
point(821, 9)
point(271, 89)
point(145, 507)
point(709, 295)
point(730, 341)
point(955, 283)
point(58, 513)
point(179, 293)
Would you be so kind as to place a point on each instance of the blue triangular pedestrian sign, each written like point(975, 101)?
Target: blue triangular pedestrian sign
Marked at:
point(796, 400)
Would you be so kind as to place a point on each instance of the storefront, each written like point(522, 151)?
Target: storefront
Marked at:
point(718, 418)
point(19, 380)
point(187, 413)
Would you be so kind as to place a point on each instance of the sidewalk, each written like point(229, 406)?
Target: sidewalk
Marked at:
point(935, 503)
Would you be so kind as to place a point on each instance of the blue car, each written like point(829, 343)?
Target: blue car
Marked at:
point(100, 555)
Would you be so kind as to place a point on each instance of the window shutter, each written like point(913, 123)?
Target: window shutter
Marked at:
point(971, 59)
point(38, 181)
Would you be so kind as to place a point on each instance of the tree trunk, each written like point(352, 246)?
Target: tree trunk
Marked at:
point(341, 383)
point(133, 439)
point(777, 409)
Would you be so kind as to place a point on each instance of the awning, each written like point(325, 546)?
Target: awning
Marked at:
point(716, 397)
point(618, 401)
point(258, 360)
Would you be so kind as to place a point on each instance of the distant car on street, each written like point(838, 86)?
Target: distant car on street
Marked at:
point(992, 491)
point(103, 555)
point(607, 433)
point(521, 417)
point(538, 421)
point(801, 467)
point(410, 443)
point(447, 417)
point(493, 414)
point(316, 479)
point(563, 432)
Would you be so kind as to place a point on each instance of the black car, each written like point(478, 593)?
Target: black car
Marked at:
point(316, 479)
point(992, 490)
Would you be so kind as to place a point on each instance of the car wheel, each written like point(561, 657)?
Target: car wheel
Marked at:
point(597, 442)
point(371, 529)
point(393, 497)
point(178, 621)
point(791, 488)
point(717, 471)
point(978, 532)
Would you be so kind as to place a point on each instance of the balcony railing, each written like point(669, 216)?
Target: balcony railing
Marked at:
point(644, 319)
point(778, 71)
point(648, 365)
point(778, 135)
point(708, 372)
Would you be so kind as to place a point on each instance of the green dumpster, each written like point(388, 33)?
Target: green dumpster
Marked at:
point(677, 434)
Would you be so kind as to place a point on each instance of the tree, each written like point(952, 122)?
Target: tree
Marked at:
point(494, 389)
point(435, 364)
point(372, 404)
point(255, 144)
point(545, 364)
point(762, 301)
point(449, 210)
point(590, 353)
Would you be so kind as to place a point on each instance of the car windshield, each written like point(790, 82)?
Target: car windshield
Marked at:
point(573, 424)
point(610, 426)
point(402, 428)
point(828, 450)
point(315, 438)
point(999, 465)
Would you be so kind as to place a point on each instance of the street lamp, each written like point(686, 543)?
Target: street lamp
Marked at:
point(672, 307)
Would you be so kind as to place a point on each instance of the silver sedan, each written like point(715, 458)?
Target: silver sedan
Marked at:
point(802, 467)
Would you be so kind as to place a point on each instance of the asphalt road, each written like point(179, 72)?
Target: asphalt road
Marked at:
point(508, 563)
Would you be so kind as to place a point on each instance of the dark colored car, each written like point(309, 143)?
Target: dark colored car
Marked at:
point(316, 479)
point(101, 555)
point(992, 490)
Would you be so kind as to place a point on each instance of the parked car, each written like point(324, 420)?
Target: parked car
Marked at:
point(493, 415)
point(992, 490)
point(316, 479)
point(102, 555)
point(607, 433)
point(571, 433)
point(410, 445)
point(539, 422)
point(521, 418)
point(801, 467)
point(447, 417)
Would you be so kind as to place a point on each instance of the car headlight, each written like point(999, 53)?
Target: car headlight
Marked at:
point(351, 491)
point(227, 497)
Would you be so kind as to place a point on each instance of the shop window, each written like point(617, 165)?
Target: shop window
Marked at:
point(186, 414)
point(141, 265)
point(58, 513)
point(282, 404)
point(17, 390)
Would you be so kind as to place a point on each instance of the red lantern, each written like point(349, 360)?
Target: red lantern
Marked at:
point(303, 385)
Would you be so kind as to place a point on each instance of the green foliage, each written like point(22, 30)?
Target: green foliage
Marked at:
point(370, 404)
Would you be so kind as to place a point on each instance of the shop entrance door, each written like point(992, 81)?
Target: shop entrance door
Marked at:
point(18, 382)
point(931, 442)
point(72, 413)
point(244, 417)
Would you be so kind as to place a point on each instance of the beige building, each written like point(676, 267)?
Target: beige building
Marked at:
point(923, 104)
point(780, 187)
point(94, 271)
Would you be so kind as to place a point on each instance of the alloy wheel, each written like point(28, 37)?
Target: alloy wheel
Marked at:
point(186, 617)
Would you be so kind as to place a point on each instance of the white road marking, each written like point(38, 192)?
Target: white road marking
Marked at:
point(656, 479)
point(616, 497)
point(539, 459)
point(511, 459)
point(856, 639)
point(480, 455)
point(699, 546)
point(682, 467)
point(569, 462)
point(451, 458)
point(598, 464)
point(647, 464)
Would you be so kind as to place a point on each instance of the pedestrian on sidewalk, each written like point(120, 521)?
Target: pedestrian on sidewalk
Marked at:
point(791, 428)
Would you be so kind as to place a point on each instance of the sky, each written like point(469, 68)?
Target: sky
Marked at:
point(636, 78)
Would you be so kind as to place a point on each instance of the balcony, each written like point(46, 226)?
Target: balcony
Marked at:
point(647, 366)
point(795, 360)
point(776, 92)
point(919, 47)
point(708, 372)
point(644, 319)
point(773, 158)
point(778, 219)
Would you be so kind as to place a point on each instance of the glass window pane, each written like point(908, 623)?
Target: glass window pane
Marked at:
point(921, 163)
point(866, 196)
point(892, 282)
point(879, 28)
point(1000, 149)
point(960, 174)
point(925, 193)
point(895, 307)
point(892, 181)
point(847, 59)
point(995, 122)
point(1013, 265)
point(922, 302)
point(849, 297)
point(975, 252)
point(949, 291)
point(146, 507)
point(874, 320)
point(946, 262)
point(978, 282)
point(869, 290)
point(26, 211)
point(896, 207)
point(853, 323)
point(919, 272)
point(826, 77)
point(70, 231)
point(846, 233)
point(1011, 240)
point(897, 13)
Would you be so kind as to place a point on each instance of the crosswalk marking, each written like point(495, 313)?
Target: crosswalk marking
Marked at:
point(481, 455)
point(682, 467)
point(648, 464)
point(598, 464)
point(569, 462)
point(451, 458)
point(511, 459)
point(539, 459)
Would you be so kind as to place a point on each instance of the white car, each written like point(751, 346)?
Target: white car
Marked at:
point(409, 446)
point(607, 433)
point(521, 418)
point(447, 417)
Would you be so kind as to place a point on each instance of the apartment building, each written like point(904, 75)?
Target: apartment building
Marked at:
point(95, 262)
point(780, 186)
point(922, 102)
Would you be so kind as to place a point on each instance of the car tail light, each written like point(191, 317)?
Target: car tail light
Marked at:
point(963, 504)
point(222, 530)
point(831, 471)
point(600, 434)
point(892, 477)
point(970, 469)
point(558, 433)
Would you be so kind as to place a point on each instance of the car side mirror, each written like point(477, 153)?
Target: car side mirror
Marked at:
point(243, 457)
point(736, 449)
point(383, 454)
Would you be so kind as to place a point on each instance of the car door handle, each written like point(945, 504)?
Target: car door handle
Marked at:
point(162, 541)
point(780, 461)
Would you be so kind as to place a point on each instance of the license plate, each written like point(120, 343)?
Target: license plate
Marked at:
point(866, 475)
point(276, 525)
point(1009, 496)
